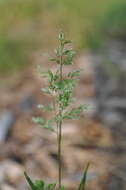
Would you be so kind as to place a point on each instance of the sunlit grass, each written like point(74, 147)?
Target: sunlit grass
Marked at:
point(28, 23)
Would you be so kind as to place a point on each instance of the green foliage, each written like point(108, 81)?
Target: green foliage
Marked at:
point(16, 33)
point(38, 120)
point(60, 86)
point(30, 182)
point(83, 180)
point(62, 187)
point(44, 124)
point(39, 184)
point(114, 23)
point(87, 23)
point(45, 108)
point(69, 56)
point(12, 55)
point(60, 89)
point(75, 73)
point(74, 112)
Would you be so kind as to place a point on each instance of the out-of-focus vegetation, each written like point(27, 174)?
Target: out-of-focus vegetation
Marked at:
point(29, 24)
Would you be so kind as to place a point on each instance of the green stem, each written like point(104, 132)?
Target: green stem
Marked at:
point(59, 154)
point(60, 128)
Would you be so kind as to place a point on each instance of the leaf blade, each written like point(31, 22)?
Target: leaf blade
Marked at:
point(30, 182)
point(84, 177)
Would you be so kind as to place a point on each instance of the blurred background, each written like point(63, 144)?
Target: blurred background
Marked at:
point(28, 35)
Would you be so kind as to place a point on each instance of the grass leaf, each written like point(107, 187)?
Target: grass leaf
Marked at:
point(30, 182)
point(84, 177)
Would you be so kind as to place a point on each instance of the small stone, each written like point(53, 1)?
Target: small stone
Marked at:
point(111, 118)
point(22, 130)
point(6, 120)
point(12, 171)
point(26, 104)
point(7, 187)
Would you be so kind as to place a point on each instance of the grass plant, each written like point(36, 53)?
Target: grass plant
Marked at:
point(60, 87)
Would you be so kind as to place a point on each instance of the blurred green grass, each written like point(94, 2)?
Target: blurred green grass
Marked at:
point(30, 24)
